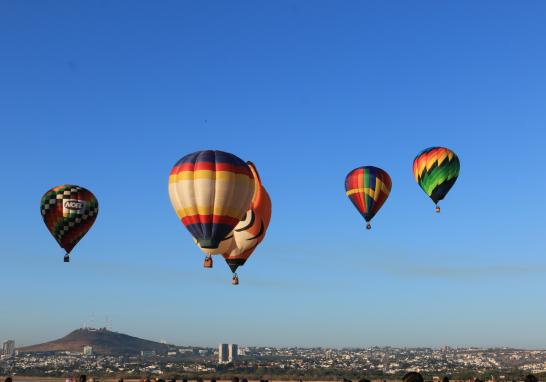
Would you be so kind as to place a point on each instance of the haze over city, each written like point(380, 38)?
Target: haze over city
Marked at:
point(110, 95)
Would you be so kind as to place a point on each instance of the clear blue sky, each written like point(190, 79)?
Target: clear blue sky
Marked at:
point(109, 95)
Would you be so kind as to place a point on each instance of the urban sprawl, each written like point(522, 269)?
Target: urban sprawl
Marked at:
point(288, 363)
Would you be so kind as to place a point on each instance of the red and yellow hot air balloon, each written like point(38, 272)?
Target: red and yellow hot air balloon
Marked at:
point(69, 211)
point(210, 191)
point(368, 188)
point(251, 229)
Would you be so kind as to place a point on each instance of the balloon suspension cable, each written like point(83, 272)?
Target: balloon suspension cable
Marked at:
point(66, 258)
point(437, 209)
point(368, 226)
point(208, 262)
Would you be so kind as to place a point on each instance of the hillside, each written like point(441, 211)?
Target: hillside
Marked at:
point(103, 341)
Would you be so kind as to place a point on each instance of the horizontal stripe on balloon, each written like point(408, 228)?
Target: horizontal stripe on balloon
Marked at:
point(207, 174)
point(211, 156)
point(208, 219)
point(210, 166)
point(208, 210)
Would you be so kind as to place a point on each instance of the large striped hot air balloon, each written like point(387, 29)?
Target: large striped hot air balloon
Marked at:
point(251, 229)
point(210, 192)
point(368, 188)
point(69, 211)
point(436, 169)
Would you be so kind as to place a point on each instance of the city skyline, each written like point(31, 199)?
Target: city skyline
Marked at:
point(110, 95)
point(131, 357)
point(253, 345)
point(496, 364)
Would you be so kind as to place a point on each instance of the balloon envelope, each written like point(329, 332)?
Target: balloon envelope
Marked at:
point(435, 170)
point(252, 228)
point(210, 192)
point(368, 188)
point(69, 211)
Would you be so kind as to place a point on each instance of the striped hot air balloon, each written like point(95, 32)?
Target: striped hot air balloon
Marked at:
point(368, 188)
point(210, 192)
point(435, 170)
point(69, 211)
point(251, 229)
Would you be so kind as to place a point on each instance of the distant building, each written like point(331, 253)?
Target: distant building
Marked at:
point(147, 353)
point(8, 348)
point(233, 352)
point(223, 353)
point(88, 350)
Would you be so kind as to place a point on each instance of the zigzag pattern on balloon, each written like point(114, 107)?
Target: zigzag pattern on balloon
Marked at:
point(368, 188)
point(435, 170)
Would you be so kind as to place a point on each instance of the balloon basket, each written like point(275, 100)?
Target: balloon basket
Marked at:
point(437, 209)
point(208, 262)
point(66, 259)
point(235, 280)
point(368, 226)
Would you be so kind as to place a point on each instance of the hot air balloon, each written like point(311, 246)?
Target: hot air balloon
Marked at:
point(210, 192)
point(368, 188)
point(69, 211)
point(251, 229)
point(436, 169)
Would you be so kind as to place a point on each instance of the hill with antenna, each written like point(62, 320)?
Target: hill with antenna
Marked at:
point(102, 340)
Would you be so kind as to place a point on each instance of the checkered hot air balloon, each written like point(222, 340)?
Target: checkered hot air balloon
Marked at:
point(69, 211)
point(251, 229)
point(368, 188)
point(210, 192)
point(436, 169)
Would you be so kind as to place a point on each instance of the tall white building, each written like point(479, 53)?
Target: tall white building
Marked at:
point(223, 351)
point(233, 352)
point(88, 350)
point(8, 348)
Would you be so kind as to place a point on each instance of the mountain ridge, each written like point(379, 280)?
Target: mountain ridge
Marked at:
point(102, 340)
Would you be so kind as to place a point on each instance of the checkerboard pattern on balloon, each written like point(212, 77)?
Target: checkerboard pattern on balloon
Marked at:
point(69, 211)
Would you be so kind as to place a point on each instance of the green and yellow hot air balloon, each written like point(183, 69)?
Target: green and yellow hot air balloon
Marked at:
point(436, 169)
